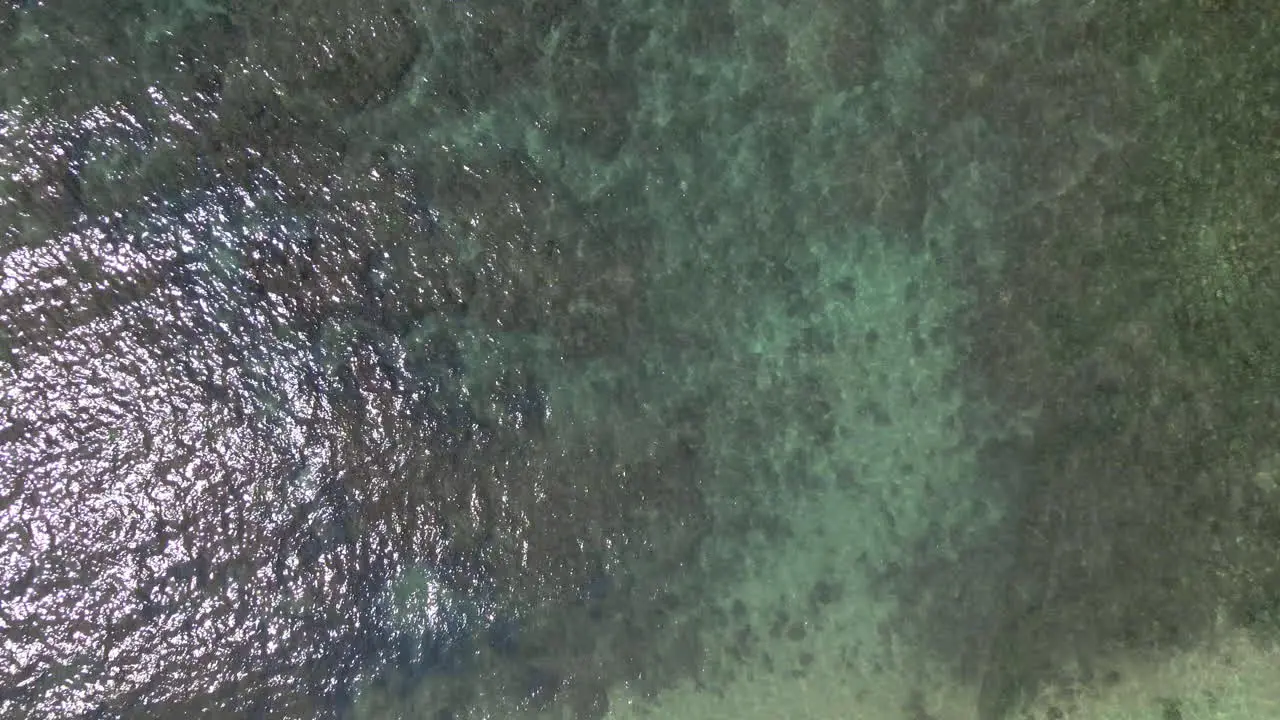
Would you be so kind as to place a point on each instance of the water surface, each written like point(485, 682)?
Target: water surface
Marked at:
point(571, 359)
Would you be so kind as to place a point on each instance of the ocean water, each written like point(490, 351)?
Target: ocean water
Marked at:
point(582, 359)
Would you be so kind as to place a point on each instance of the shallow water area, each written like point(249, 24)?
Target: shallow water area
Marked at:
point(585, 359)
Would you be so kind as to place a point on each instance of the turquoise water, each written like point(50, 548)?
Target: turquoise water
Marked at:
point(551, 359)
